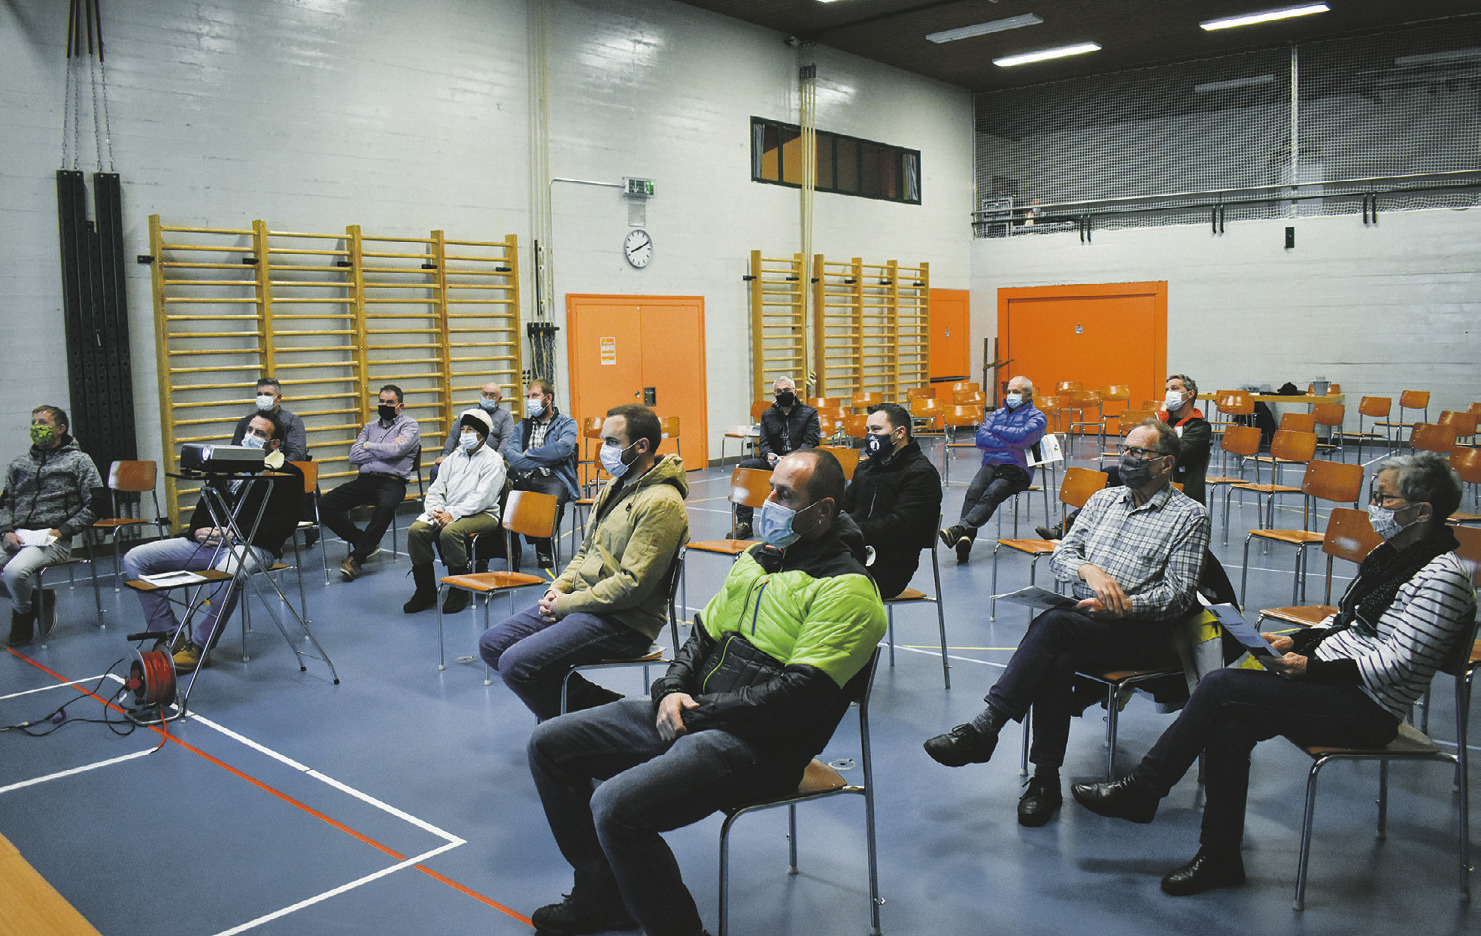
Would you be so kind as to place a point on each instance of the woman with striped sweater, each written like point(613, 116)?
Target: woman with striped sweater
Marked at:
point(1348, 683)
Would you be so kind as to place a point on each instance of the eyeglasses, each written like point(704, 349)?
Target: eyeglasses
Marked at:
point(1139, 452)
point(1382, 499)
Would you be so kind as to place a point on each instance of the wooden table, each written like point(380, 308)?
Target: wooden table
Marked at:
point(1284, 398)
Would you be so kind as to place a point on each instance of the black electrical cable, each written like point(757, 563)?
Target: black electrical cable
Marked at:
point(58, 716)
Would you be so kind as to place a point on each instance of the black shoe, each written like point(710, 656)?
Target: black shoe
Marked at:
point(45, 605)
point(1048, 533)
point(569, 918)
point(310, 537)
point(456, 600)
point(544, 558)
point(962, 745)
point(1205, 872)
point(963, 549)
point(420, 601)
point(1040, 801)
point(742, 531)
point(22, 628)
point(1118, 799)
point(950, 535)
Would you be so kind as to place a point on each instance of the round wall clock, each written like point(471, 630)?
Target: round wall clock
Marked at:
point(637, 247)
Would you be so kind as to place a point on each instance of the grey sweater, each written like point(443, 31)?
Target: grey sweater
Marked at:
point(50, 489)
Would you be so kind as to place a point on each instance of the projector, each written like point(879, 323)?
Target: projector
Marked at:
point(220, 459)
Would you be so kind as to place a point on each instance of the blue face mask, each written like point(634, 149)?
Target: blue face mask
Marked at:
point(253, 442)
point(469, 441)
point(489, 405)
point(777, 525)
point(534, 406)
point(1013, 400)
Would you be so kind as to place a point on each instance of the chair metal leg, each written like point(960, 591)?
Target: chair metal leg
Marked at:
point(1113, 709)
point(941, 620)
point(889, 612)
point(441, 659)
point(1027, 732)
point(1306, 820)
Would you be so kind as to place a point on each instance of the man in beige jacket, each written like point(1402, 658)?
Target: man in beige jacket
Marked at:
point(609, 602)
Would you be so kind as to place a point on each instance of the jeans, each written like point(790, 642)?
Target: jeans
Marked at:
point(177, 553)
point(545, 484)
point(611, 837)
point(1060, 643)
point(1230, 712)
point(385, 492)
point(532, 655)
point(992, 485)
point(18, 569)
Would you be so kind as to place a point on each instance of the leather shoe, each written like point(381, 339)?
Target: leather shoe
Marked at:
point(1118, 799)
point(1040, 801)
point(571, 918)
point(962, 745)
point(1205, 872)
point(950, 536)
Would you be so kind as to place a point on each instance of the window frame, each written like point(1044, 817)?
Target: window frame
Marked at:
point(903, 159)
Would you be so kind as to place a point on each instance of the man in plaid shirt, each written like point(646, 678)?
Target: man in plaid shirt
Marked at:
point(1134, 558)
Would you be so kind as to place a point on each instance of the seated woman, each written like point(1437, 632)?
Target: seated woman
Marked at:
point(1347, 684)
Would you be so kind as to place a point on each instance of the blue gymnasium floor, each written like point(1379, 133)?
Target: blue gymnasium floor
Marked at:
point(399, 802)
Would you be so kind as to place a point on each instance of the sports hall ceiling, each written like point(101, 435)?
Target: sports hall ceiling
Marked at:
point(1131, 33)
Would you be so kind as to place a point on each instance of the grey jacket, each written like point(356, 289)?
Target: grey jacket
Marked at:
point(49, 489)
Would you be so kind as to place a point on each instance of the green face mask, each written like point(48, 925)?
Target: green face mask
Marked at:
point(43, 436)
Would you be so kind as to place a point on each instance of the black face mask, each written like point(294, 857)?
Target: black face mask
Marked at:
point(1135, 471)
point(874, 444)
point(786, 399)
point(387, 413)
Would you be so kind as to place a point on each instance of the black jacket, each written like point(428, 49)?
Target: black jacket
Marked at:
point(896, 501)
point(1193, 455)
point(782, 433)
point(284, 492)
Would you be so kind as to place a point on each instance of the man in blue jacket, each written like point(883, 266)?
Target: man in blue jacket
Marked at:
point(1004, 436)
point(542, 457)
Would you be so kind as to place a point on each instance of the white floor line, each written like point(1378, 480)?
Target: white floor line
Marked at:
point(75, 682)
point(77, 770)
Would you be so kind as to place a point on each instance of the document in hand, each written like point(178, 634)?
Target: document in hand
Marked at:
point(1040, 599)
point(1241, 630)
point(35, 537)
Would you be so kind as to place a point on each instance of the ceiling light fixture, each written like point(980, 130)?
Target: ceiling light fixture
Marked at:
point(1080, 48)
point(1250, 19)
point(982, 29)
point(1233, 83)
point(1439, 58)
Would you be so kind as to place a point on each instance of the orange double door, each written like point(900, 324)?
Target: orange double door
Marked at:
point(641, 349)
point(1099, 334)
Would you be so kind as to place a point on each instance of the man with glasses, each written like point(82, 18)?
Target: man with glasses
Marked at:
point(790, 425)
point(385, 452)
point(1134, 559)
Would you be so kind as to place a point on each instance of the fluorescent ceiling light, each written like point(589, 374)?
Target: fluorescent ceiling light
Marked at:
point(1439, 58)
point(1268, 16)
point(1233, 83)
point(982, 29)
point(1008, 61)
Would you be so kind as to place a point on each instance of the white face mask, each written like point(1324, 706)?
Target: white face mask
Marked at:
point(469, 441)
point(264, 401)
point(611, 456)
point(1014, 400)
point(253, 441)
point(534, 406)
point(1174, 400)
point(1385, 521)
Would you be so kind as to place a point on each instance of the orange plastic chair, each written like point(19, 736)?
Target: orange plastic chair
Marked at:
point(669, 426)
point(1375, 408)
point(1337, 482)
point(1464, 423)
point(1330, 415)
point(1432, 437)
point(920, 393)
point(1116, 396)
point(863, 400)
point(1467, 464)
point(926, 414)
point(848, 458)
point(1300, 422)
point(1350, 537)
point(129, 478)
point(1078, 485)
point(1287, 448)
point(1418, 400)
point(854, 425)
point(749, 487)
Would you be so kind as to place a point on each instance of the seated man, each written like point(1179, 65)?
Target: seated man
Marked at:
point(1134, 557)
point(270, 400)
point(755, 693)
point(542, 457)
point(1003, 436)
point(1180, 410)
point(48, 491)
point(790, 425)
point(609, 603)
point(207, 546)
point(490, 395)
point(895, 498)
point(385, 452)
point(462, 502)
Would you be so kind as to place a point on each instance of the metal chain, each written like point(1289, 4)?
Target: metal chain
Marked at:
point(103, 71)
point(67, 117)
point(92, 68)
point(76, 119)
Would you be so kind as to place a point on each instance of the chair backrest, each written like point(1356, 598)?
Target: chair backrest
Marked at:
point(530, 513)
point(959, 416)
point(1068, 386)
point(1080, 399)
point(1132, 418)
point(970, 386)
point(826, 402)
point(1464, 422)
point(1049, 402)
point(1376, 406)
point(749, 487)
point(1236, 403)
point(926, 408)
point(921, 393)
point(1292, 446)
point(758, 408)
point(134, 476)
point(967, 397)
point(847, 456)
point(1241, 440)
point(1328, 414)
point(854, 425)
point(1414, 399)
point(1339, 482)
point(1116, 393)
point(1469, 552)
point(1079, 484)
point(1467, 464)
point(669, 426)
point(1300, 422)
point(591, 427)
point(1432, 437)
point(1349, 535)
point(310, 471)
point(863, 398)
point(1474, 408)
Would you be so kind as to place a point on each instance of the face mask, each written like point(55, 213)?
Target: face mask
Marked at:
point(534, 406)
point(489, 405)
point(1014, 400)
point(387, 412)
point(43, 436)
point(1174, 400)
point(469, 441)
point(777, 525)
point(264, 401)
point(612, 459)
point(1385, 522)
point(874, 444)
point(253, 441)
point(786, 398)
point(1135, 471)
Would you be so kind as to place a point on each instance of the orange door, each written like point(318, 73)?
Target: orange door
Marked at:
point(1098, 334)
point(630, 349)
point(951, 331)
